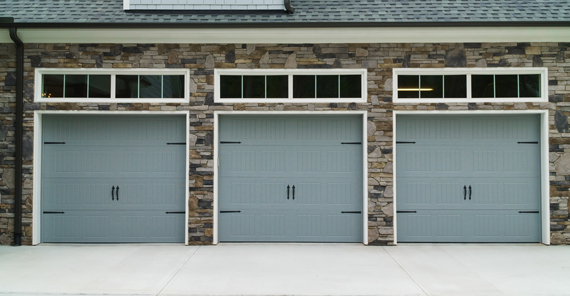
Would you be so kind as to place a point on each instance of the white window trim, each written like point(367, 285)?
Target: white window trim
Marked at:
point(470, 71)
point(84, 71)
point(290, 72)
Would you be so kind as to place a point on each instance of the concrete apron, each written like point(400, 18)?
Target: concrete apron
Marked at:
point(285, 269)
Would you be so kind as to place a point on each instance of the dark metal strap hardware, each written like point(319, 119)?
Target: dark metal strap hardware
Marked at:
point(224, 142)
point(288, 187)
point(48, 212)
point(113, 193)
point(351, 212)
point(181, 143)
point(117, 192)
point(469, 192)
point(528, 212)
point(527, 142)
point(404, 142)
point(293, 192)
point(410, 212)
point(54, 143)
point(175, 212)
point(224, 212)
point(351, 143)
point(464, 192)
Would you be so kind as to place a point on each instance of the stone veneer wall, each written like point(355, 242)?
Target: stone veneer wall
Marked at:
point(201, 59)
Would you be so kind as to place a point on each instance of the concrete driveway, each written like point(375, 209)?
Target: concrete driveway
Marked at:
point(285, 269)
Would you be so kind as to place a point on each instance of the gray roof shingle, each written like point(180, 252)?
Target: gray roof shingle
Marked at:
point(382, 12)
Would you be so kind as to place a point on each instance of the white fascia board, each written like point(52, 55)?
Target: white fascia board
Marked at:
point(294, 35)
point(126, 4)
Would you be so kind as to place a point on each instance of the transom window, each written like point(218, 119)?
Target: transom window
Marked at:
point(472, 85)
point(97, 85)
point(298, 85)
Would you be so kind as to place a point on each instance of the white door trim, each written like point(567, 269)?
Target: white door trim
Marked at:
point(544, 160)
point(37, 161)
point(364, 158)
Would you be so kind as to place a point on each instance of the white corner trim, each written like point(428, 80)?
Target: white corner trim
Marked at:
point(544, 159)
point(291, 72)
point(38, 84)
point(126, 4)
point(543, 71)
point(37, 161)
point(260, 35)
point(364, 114)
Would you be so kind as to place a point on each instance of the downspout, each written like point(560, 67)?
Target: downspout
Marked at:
point(290, 9)
point(18, 135)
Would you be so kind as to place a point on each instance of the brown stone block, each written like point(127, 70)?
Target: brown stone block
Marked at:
point(193, 203)
point(558, 141)
point(209, 232)
point(122, 65)
point(509, 107)
point(204, 128)
point(198, 181)
point(239, 107)
point(440, 65)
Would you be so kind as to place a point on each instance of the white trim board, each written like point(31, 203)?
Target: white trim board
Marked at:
point(294, 35)
point(37, 161)
point(544, 160)
point(364, 114)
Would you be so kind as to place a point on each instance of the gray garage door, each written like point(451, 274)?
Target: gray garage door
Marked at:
point(113, 178)
point(468, 178)
point(290, 178)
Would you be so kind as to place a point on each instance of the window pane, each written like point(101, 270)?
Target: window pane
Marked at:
point(350, 86)
point(254, 87)
point(277, 86)
point(53, 86)
point(408, 86)
point(455, 86)
point(127, 86)
point(230, 87)
point(151, 86)
point(506, 86)
point(529, 86)
point(431, 86)
point(173, 86)
point(304, 86)
point(482, 86)
point(100, 86)
point(327, 86)
point(76, 86)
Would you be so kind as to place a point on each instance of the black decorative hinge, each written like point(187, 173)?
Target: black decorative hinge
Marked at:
point(54, 143)
point(226, 212)
point(225, 142)
point(409, 212)
point(404, 142)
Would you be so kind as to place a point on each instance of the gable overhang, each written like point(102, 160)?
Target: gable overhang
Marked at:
point(289, 32)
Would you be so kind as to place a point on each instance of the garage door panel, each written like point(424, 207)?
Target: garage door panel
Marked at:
point(431, 193)
point(244, 192)
point(508, 193)
point(69, 194)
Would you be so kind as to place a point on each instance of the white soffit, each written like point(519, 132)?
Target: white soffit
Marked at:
point(294, 35)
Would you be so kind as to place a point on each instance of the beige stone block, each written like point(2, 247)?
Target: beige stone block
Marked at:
point(532, 50)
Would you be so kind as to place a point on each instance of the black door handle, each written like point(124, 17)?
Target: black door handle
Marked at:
point(288, 191)
point(293, 192)
point(117, 192)
point(464, 192)
point(469, 192)
point(113, 193)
